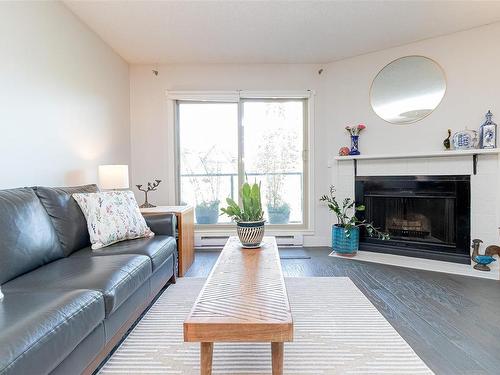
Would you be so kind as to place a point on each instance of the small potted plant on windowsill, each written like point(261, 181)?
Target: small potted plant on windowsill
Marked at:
point(206, 185)
point(345, 234)
point(279, 213)
point(207, 212)
point(249, 217)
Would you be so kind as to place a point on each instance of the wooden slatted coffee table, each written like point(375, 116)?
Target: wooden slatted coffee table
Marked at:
point(244, 299)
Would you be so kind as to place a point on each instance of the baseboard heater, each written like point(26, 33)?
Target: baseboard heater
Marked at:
point(209, 242)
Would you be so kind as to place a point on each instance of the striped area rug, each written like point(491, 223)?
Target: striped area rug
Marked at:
point(337, 331)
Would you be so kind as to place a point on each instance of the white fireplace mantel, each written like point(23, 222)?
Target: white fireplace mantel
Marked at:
point(484, 169)
point(435, 154)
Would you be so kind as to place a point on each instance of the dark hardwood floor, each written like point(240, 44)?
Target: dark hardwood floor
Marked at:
point(452, 322)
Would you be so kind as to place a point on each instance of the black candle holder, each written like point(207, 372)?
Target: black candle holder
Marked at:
point(152, 186)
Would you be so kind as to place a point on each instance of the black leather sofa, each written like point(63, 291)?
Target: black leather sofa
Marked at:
point(65, 306)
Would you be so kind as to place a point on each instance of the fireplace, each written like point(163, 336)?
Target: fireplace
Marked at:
point(426, 216)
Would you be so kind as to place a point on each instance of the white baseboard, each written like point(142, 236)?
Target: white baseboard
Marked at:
point(315, 241)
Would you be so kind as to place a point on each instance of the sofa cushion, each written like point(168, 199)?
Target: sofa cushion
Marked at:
point(112, 216)
point(27, 238)
point(158, 248)
point(116, 277)
point(38, 330)
point(66, 215)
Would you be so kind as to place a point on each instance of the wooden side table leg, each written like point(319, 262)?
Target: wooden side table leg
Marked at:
point(206, 353)
point(277, 357)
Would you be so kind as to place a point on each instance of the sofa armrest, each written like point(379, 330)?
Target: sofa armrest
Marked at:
point(161, 224)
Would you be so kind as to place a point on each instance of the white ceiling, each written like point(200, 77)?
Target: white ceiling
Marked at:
point(272, 31)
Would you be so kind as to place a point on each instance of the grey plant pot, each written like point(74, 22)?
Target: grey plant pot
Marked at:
point(250, 233)
point(278, 216)
point(207, 215)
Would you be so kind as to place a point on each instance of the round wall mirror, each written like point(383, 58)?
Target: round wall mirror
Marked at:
point(408, 89)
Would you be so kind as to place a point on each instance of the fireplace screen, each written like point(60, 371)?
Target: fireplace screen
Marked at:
point(425, 216)
point(414, 218)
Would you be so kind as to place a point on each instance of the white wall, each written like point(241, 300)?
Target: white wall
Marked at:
point(470, 60)
point(64, 98)
point(152, 135)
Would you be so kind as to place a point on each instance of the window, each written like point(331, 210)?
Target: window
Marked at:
point(273, 147)
point(220, 144)
point(208, 150)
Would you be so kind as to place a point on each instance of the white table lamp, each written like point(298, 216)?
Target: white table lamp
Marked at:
point(113, 177)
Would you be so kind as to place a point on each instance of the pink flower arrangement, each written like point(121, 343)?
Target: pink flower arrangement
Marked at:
point(355, 130)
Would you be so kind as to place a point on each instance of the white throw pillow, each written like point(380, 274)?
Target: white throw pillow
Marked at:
point(112, 216)
point(1, 294)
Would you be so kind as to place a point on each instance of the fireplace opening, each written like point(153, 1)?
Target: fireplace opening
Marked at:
point(425, 216)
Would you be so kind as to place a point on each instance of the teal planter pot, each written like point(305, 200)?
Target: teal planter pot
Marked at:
point(342, 244)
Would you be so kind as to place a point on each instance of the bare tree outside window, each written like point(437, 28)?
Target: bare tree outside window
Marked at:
point(278, 154)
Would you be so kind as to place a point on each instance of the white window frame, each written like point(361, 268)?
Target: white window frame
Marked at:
point(173, 97)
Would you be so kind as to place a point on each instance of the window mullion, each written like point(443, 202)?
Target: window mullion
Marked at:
point(241, 148)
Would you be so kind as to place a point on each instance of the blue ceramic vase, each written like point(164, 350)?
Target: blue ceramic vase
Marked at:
point(354, 145)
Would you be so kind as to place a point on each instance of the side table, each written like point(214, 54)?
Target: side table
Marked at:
point(185, 233)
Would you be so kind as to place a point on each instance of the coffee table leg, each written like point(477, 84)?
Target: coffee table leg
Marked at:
point(206, 352)
point(277, 355)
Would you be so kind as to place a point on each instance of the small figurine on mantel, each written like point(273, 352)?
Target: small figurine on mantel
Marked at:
point(482, 261)
point(344, 151)
point(446, 142)
point(152, 186)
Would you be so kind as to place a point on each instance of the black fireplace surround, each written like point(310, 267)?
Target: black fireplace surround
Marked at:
point(426, 216)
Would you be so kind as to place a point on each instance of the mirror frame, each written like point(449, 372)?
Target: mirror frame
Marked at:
point(400, 58)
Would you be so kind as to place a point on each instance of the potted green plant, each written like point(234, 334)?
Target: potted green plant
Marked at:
point(249, 217)
point(345, 234)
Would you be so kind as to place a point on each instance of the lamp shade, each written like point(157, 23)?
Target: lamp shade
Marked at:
point(113, 177)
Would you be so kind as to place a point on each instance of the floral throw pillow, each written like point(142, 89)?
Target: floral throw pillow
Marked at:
point(112, 216)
